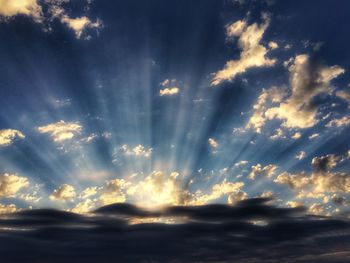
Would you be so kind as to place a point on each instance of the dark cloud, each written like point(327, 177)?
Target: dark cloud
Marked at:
point(210, 233)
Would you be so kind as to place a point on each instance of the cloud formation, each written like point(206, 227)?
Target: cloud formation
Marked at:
point(64, 193)
point(8, 136)
point(296, 108)
point(10, 8)
point(61, 131)
point(45, 12)
point(11, 184)
point(253, 52)
point(211, 233)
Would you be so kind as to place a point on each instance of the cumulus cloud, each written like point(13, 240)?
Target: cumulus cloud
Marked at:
point(61, 131)
point(169, 91)
point(295, 108)
point(53, 9)
point(5, 209)
point(161, 189)
point(233, 191)
point(321, 181)
point(8, 136)
point(258, 118)
point(325, 163)
point(10, 8)
point(78, 24)
point(259, 170)
point(11, 184)
point(64, 193)
point(307, 81)
point(84, 206)
point(253, 52)
point(114, 192)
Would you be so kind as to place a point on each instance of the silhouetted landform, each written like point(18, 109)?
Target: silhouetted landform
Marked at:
point(251, 231)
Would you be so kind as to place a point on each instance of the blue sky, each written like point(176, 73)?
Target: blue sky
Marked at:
point(174, 102)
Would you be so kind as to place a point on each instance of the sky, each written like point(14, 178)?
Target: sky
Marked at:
point(195, 104)
point(160, 103)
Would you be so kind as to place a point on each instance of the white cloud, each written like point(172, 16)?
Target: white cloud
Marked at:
point(307, 81)
point(296, 136)
point(241, 163)
point(253, 53)
point(273, 45)
point(258, 170)
point(138, 150)
point(10, 8)
point(114, 192)
point(64, 193)
point(169, 91)
point(53, 9)
point(344, 121)
point(8, 136)
point(84, 206)
point(79, 24)
point(314, 136)
point(344, 95)
point(6, 209)
point(301, 155)
point(213, 143)
point(61, 131)
point(11, 184)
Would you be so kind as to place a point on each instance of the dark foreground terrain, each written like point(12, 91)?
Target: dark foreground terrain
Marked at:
point(252, 231)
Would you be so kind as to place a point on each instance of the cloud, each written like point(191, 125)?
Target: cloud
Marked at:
point(273, 45)
point(253, 53)
point(169, 91)
point(298, 109)
point(45, 12)
point(5, 209)
point(325, 163)
point(11, 184)
point(258, 118)
point(138, 150)
point(233, 191)
point(84, 207)
point(321, 181)
point(88, 192)
point(79, 24)
point(61, 131)
point(10, 8)
point(301, 155)
point(307, 80)
point(344, 95)
point(344, 121)
point(210, 233)
point(258, 170)
point(241, 163)
point(213, 143)
point(8, 136)
point(296, 136)
point(114, 192)
point(64, 193)
point(278, 135)
point(314, 136)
